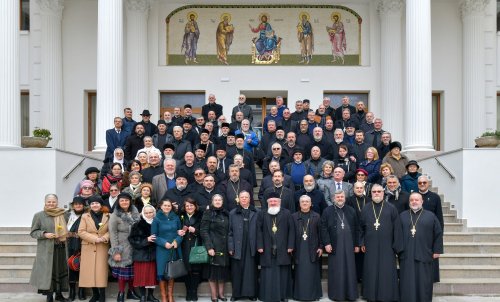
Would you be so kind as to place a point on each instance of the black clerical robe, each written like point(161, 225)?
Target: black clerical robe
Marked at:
point(383, 242)
point(275, 235)
point(416, 259)
point(432, 202)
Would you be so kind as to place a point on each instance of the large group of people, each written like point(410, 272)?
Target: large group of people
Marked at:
point(334, 183)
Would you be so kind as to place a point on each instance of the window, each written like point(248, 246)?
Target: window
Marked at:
point(354, 97)
point(91, 119)
point(436, 121)
point(170, 100)
point(25, 113)
point(24, 19)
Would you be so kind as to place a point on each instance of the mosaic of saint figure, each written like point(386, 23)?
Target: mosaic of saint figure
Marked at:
point(267, 41)
point(337, 38)
point(306, 38)
point(224, 37)
point(190, 39)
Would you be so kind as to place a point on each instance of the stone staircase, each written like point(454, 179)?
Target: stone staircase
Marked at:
point(470, 265)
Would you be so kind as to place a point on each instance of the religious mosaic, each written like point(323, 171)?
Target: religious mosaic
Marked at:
point(263, 35)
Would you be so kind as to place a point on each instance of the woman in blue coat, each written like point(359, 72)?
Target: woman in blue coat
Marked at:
point(371, 164)
point(165, 227)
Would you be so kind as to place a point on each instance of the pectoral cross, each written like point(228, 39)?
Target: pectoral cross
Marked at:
point(274, 228)
point(237, 200)
point(376, 224)
point(342, 225)
point(413, 231)
point(304, 236)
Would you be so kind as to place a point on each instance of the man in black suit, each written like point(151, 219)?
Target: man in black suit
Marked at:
point(115, 137)
point(211, 106)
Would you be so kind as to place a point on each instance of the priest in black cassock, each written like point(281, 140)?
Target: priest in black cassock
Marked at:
point(275, 244)
point(340, 235)
point(242, 243)
point(358, 201)
point(432, 202)
point(307, 254)
point(381, 241)
point(422, 243)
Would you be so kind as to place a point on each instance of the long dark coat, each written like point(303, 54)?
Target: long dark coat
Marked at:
point(285, 237)
point(191, 239)
point(329, 226)
point(143, 250)
point(214, 229)
point(235, 235)
point(229, 188)
point(313, 235)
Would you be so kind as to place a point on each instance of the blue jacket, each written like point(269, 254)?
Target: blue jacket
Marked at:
point(165, 228)
point(251, 135)
point(373, 169)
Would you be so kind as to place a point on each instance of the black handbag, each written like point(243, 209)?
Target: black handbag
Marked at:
point(175, 268)
point(198, 254)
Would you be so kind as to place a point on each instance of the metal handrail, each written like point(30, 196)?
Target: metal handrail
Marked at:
point(444, 167)
point(65, 177)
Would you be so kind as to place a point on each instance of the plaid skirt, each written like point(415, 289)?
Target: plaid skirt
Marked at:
point(145, 273)
point(123, 273)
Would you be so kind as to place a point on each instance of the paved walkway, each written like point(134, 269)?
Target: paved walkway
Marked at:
point(31, 297)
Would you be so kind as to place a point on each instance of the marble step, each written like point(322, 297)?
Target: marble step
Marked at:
point(471, 236)
point(468, 286)
point(18, 247)
point(469, 259)
point(469, 271)
point(17, 258)
point(15, 236)
point(472, 247)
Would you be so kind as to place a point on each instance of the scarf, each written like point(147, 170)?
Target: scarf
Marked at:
point(394, 193)
point(149, 221)
point(59, 223)
point(97, 217)
point(73, 217)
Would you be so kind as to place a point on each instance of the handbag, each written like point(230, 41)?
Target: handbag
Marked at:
point(74, 262)
point(198, 254)
point(175, 268)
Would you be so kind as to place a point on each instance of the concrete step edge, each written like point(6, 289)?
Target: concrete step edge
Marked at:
point(478, 281)
point(469, 267)
point(15, 266)
point(27, 255)
point(18, 243)
point(469, 255)
point(472, 243)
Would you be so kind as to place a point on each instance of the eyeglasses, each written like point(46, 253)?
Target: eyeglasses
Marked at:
point(87, 188)
point(360, 174)
point(113, 190)
point(276, 148)
point(422, 182)
point(377, 191)
point(198, 174)
point(241, 98)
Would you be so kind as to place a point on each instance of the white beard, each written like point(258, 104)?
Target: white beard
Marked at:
point(338, 141)
point(273, 210)
point(377, 199)
point(168, 156)
point(180, 188)
point(416, 209)
point(309, 188)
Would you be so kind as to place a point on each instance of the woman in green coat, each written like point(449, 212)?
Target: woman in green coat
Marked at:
point(49, 228)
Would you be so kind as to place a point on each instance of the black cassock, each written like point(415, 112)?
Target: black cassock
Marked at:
point(432, 202)
point(358, 203)
point(380, 279)
point(307, 281)
point(340, 229)
point(416, 262)
point(275, 275)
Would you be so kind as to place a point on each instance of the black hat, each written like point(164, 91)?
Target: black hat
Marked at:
point(205, 131)
point(161, 122)
point(394, 145)
point(279, 128)
point(188, 106)
point(91, 170)
point(240, 135)
point(95, 198)
point(220, 147)
point(78, 199)
point(306, 101)
point(298, 150)
point(201, 147)
point(230, 133)
point(181, 173)
point(168, 146)
point(350, 124)
point(224, 125)
point(412, 162)
point(145, 112)
point(186, 121)
point(124, 195)
point(273, 195)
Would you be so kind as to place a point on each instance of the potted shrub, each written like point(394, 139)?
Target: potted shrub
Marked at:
point(40, 139)
point(489, 139)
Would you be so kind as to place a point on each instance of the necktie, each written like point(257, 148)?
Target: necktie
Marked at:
point(339, 186)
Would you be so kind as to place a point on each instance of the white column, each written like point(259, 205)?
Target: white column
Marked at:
point(418, 111)
point(52, 105)
point(137, 55)
point(109, 67)
point(10, 111)
point(390, 12)
point(473, 75)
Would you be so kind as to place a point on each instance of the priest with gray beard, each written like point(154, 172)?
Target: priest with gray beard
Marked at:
point(422, 243)
point(381, 241)
point(275, 244)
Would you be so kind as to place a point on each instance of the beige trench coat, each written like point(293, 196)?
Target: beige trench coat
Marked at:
point(94, 260)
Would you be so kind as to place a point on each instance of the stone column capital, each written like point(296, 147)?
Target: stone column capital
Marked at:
point(385, 7)
point(473, 7)
point(140, 6)
point(51, 7)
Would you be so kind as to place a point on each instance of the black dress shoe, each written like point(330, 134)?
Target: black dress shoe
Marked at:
point(81, 294)
point(252, 298)
point(234, 299)
point(222, 298)
point(50, 297)
point(132, 295)
point(61, 298)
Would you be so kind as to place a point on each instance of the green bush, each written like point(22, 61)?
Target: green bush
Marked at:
point(44, 133)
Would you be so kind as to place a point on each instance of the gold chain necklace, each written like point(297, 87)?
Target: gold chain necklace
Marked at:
point(414, 225)
point(236, 191)
point(304, 230)
point(377, 224)
point(364, 202)
point(274, 228)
